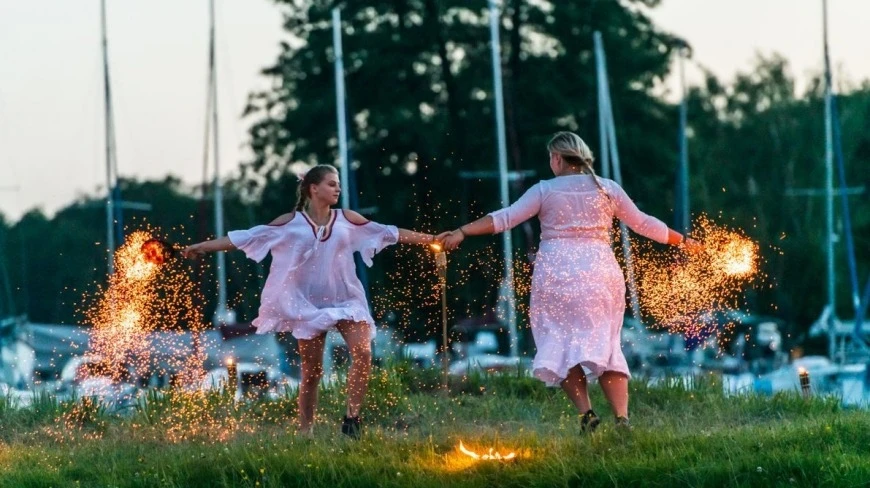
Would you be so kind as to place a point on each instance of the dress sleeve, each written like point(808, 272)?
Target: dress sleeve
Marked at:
point(627, 212)
point(370, 238)
point(523, 209)
point(257, 241)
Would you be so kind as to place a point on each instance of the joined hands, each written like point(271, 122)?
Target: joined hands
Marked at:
point(450, 239)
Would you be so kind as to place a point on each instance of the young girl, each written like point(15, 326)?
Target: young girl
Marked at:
point(578, 290)
point(312, 285)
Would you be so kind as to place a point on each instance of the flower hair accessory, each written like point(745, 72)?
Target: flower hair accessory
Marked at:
point(301, 176)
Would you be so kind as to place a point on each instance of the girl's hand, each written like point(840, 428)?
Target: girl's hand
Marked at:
point(451, 240)
point(193, 251)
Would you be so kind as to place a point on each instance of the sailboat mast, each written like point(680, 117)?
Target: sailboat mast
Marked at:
point(507, 243)
point(611, 152)
point(220, 258)
point(829, 187)
point(111, 169)
point(684, 221)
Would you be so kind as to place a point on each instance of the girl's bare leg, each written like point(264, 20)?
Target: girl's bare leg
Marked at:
point(615, 388)
point(356, 335)
point(311, 352)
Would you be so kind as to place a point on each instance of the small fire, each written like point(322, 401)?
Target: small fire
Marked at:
point(436, 247)
point(490, 456)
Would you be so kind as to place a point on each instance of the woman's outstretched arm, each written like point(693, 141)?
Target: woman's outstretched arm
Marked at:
point(452, 239)
point(526, 207)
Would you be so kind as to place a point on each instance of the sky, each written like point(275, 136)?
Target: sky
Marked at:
point(51, 91)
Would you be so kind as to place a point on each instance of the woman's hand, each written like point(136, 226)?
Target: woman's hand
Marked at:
point(450, 240)
point(194, 251)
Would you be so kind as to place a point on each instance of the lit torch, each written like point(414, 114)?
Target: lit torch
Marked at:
point(441, 266)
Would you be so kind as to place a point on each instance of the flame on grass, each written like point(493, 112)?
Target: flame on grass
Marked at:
point(491, 455)
point(467, 457)
point(683, 291)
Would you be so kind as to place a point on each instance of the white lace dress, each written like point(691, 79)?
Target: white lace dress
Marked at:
point(578, 290)
point(312, 283)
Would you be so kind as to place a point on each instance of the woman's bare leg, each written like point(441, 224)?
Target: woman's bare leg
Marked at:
point(356, 335)
point(575, 387)
point(311, 352)
point(615, 388)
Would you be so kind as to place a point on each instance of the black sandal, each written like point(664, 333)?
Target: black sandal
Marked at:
point(589, 422)
point(622, 423)
point(350, 427)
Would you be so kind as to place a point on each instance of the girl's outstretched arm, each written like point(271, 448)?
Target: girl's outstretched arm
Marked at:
point(200, 248)
point(405, 236)
point(412, 237)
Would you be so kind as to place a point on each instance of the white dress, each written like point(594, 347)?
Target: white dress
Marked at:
point(312, 284)
point(578, 290)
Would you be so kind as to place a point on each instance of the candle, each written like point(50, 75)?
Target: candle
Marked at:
point(804, 376)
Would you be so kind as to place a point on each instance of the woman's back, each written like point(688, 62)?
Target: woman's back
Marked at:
point(576, 207)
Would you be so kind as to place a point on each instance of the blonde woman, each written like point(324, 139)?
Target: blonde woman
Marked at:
point(578, 290)
point(312, 285)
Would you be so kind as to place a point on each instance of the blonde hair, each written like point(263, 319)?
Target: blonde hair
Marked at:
point(571, 148)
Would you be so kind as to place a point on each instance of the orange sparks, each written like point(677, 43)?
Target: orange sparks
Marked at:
point(684, 291)
point(145, 295)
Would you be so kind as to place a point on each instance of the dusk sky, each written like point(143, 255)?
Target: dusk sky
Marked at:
point(51, 91)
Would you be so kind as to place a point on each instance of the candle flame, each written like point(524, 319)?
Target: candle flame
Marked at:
point(489, 456)
point(436, 246)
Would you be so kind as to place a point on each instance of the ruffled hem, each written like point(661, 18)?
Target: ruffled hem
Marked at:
point(552, 374)
point(323, 321)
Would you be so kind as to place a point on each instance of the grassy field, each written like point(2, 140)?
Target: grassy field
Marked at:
point(681, 437)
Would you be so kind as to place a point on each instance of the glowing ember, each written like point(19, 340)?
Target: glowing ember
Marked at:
point(436, 247)
point(156, 251)
point(489, 456)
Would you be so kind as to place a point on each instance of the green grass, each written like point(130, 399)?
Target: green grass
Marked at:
point(681, 437)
